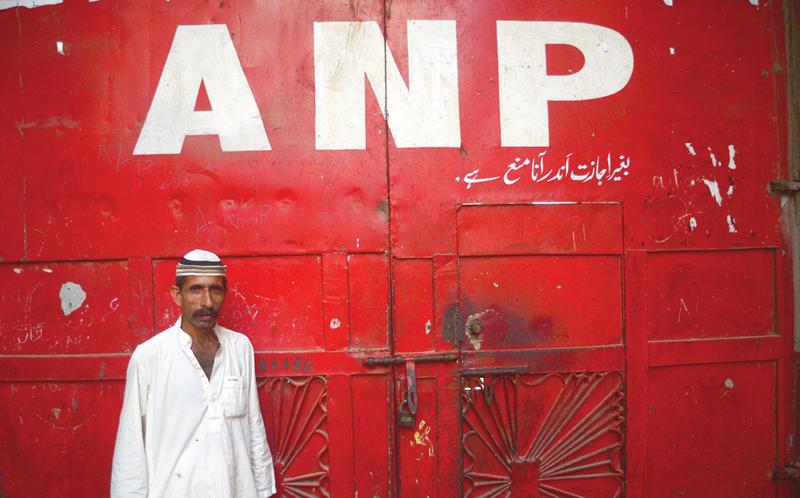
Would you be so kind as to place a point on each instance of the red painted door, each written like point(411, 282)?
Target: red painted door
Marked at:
point(514, 248)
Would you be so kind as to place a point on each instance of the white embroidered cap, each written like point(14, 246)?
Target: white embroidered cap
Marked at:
point(199, 262)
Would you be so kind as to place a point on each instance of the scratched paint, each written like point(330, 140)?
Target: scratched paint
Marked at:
point(422, 437)
point(72, 297)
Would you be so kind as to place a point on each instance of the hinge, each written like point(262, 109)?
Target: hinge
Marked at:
point(783, 187)
point(790, 472)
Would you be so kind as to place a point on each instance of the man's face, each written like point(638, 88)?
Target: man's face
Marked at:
point(200, 299)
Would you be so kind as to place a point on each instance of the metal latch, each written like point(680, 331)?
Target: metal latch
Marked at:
point(407, 411)
point(784, 187)
point(790, 472)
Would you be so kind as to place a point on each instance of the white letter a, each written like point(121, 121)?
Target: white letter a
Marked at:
point(203, 53)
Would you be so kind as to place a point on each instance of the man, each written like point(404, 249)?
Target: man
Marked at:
point(191, 425)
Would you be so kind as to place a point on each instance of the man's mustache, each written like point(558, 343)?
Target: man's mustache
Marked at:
point(205, 312)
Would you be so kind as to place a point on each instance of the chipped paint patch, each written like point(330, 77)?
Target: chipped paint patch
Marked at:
point(731, 224)
point(428, 327)
point(731, 155)
point(668, 3)
point(713, 189)
point(690, 148)
point(671, 50)
point(47, 270)
point(754, 3)
point(60, 47)
point(17, 270)
point(72, 297)
point(729, 383)
point(28, 4)
point(473, 329)
point(711, 155)
point(692, 223)
point(730, 190)
point(335, 323)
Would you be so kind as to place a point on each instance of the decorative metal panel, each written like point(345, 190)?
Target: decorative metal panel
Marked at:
point(296, 417)
point(548, 435)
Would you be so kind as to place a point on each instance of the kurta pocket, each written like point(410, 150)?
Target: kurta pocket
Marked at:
point(233, 396)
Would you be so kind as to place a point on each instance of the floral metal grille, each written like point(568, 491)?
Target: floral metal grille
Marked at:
point(296, 417)
point(549, 435)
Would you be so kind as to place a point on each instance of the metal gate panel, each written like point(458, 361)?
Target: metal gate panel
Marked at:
point(713, 414)
point(697, 295)
point(55, 440)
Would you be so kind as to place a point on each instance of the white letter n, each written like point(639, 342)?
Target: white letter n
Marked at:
point(203, 53)
point(424, 114)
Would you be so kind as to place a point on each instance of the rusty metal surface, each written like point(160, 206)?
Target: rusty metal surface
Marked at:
point(600, 281)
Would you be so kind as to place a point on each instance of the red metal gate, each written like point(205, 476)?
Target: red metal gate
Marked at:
point(553, 268)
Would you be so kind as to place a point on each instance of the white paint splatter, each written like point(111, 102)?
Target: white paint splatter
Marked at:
point(671, 50)
point(72, 297)
point(60, 47)
point(713, 188)
point(731, 155)
point(692, 223)
point(335, 323)
point(17, 270)
point(731, 224)
point(729, 383)
point(714, 161)
point(28, 4)
point(47, 270)
point(690, 148)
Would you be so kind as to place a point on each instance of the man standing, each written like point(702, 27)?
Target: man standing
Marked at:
point(191, 425)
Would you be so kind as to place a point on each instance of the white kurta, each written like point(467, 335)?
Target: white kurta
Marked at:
point(183, 436)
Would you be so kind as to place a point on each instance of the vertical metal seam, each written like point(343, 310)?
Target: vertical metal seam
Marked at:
point(394, 464)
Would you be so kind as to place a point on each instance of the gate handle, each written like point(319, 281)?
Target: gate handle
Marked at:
point(372, 361)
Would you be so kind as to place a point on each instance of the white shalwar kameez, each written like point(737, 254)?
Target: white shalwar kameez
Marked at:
point(182, 435)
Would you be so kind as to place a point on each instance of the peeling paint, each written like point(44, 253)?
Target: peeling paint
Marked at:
point(690, 148)
point(692, 223)
point(668, 3)
point(731, 224)
point(60, 47)
point(713, 189)
point(671, 50)
point(335, 323)
point(428, 327)
point(731, 155)
point(754, 2)
point(711, 155)
point(28, 4)
point(473, 328)
point(17, 270)
point(47, 270)
point(729, 383)
point(72, 297)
